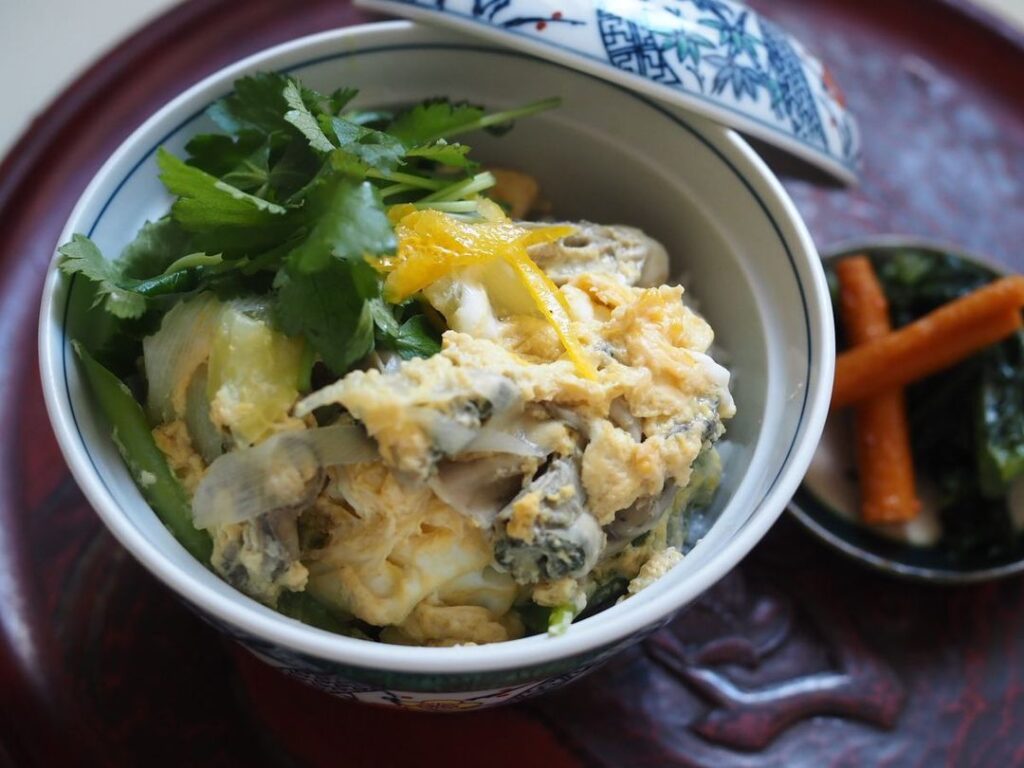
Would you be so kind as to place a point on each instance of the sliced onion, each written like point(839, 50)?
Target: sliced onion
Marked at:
point(496, 440)
point(641, 516)
point(172, 354)
point(570, 418)
point(282, 472)
point(341, 444)
point(449, 436)
point(385, 361)
point(206, 438)
point(478, 489)
point(719, 376)
point(620, 415)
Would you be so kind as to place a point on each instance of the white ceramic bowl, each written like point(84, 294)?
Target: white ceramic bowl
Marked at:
point(606, 154)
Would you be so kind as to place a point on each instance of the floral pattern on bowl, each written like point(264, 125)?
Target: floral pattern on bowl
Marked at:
point(713, 57)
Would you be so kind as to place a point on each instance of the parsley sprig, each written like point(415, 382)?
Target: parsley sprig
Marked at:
point(291, 199)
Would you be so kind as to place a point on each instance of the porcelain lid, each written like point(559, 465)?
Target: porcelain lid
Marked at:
point(716, 58)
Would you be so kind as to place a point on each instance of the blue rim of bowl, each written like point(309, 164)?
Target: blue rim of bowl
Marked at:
point(854, 540)
point(603, 639)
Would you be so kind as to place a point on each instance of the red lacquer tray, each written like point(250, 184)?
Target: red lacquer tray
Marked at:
point(797, 658)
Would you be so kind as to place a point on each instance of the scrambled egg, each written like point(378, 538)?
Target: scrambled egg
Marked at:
point(548, 451)
point(656, 566)
point(173, 440)
point(391, 545)
point(656, 403)
point(652, 350)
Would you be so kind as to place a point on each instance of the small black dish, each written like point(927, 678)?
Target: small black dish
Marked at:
point(830, 485)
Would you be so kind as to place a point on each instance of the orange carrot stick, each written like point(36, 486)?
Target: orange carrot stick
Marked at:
point(936, 341)
point(863, 305)
point(884, 463)
point(885, 466)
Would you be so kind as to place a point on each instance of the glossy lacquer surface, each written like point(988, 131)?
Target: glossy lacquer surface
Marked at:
point(797, 658)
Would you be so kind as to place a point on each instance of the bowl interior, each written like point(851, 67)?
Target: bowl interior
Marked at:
point(606, 155)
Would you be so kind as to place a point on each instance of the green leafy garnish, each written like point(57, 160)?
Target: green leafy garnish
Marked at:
point(157, 246)
point(443, 153)
point(252, 174)
point(351, 223)
point(219, 154)
point(257, 104)
point(436, 119)
point(329, 310)
point(300, 116)
point(219, 216)
point(291, 200)
point(113, 292)
point(429, 121)
point(340, 98)
point(416, 338)
point(376, 149)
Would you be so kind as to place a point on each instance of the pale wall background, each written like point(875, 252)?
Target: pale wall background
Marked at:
point(44, 43)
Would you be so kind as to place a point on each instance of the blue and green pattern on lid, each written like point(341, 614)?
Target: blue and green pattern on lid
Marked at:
point(716, 58)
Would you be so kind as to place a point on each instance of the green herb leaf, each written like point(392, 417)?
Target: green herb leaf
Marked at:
point(81, 256)
point(999, 422)
point(203, 192)
point(417, 338)
point(126, 288)
point(340, 99)
point(348, 166)
point(252, 174)
point(443, 153)
point(222, 218)
point(297, 166)
point(413, 338)
point(374, 148)
point(257, 104)
point(191, 260)
point(384, 319)
point(378, 117)
point(430, 120)
point(439, 119)
point(351, 223)
point(300, 116)
point(158, 245)
point(328, 311)
point(219, 154)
